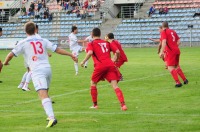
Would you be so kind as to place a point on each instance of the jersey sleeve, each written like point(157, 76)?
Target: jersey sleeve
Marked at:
point(51, 46)
point(89, 47)
point(177, 37)
point(18, 49)
point(163, 36)
point(113, 47)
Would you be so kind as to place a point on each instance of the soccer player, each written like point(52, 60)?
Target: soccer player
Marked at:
point(35, 51)
point(27, 75)
point(170, 43)
point(104, 67)
point(74, 46)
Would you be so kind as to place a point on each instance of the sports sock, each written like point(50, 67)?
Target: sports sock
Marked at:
point(76, 67)
point(180, 73)
point(28, 79)
point(24, 77)
point(94, 94)
point(175, 76)
point(120, 96)
point(47, 104)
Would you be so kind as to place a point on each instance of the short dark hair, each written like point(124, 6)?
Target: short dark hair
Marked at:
point(165, 24)
point(96, 32)
point(30, 28)
point(36, 26)
point(111, 36)
point(0, 29)
point(74, 28)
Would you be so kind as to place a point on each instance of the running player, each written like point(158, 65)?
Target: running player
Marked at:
point(27, 75)
point(123, 58)
point(74, 46)
point(35, 51)
point(170, 43)
point(104, 67)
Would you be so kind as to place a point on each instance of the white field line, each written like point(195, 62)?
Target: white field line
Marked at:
point(79, 91)
point(100, 113)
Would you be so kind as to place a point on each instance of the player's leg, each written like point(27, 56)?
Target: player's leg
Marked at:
point(27, 81)
point(94, 94)
point(23, 80)
point(41, 81)
point(119, 94)
point(173, 62)
point(75, 53)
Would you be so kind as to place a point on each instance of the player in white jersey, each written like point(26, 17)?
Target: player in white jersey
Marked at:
point(35, 51)
point(74, 46)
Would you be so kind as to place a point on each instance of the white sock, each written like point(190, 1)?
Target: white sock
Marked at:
point(24, 77)
point(28, 79)
point(86, 63)
point(76, 67)
point(47, 104)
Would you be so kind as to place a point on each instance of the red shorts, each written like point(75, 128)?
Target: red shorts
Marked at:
point(119, 64)
point(105, 72)
point(172, 59)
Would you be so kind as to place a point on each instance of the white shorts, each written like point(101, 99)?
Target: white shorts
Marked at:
point(77, 50)
point(41, 78)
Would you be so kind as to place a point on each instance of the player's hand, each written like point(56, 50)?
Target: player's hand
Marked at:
point(6, 63)
point(161, 55)
point(82, 64)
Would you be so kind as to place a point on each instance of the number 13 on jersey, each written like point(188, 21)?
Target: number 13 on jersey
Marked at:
point(37, 47)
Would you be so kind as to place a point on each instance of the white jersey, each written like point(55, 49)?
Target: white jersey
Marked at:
point(73, 41)
point(34, 49)
point(25, 59)
point(89, 38)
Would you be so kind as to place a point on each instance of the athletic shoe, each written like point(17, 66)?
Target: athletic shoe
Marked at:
point(186, 82)
point(51, 123)
point(76, 73)
point(85, 66)
point(124, 108)
point(25, 89)
point(178, 85)
point(94, 107)
point(20, 85)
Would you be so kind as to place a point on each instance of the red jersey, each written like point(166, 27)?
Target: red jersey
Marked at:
point(171, 39)
point(123, 57)
point(101, 52)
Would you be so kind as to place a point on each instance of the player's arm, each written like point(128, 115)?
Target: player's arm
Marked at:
point(155, 40)
point(64, 52)
point(8, 58)
point(179, 42)
point(87, 57)
point(164, 43)
point(159, 47)
point(116, 56)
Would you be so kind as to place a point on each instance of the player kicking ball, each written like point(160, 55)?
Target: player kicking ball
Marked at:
point(75, 47)
point(34, 49)
point(104, 67)
point(122, 58)
point(170, 43)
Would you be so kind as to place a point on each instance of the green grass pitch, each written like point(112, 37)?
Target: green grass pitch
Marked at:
point(154, 104)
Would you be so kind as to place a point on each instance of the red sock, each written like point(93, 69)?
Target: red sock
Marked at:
point(175, 76)
point(120, 96)
point(94, 94)
point(180, 73)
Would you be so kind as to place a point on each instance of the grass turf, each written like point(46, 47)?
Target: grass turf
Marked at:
point(154, 104)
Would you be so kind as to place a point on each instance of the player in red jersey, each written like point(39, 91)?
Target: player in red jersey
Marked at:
point(104, 67)
point(122, 58)
point(170, 43)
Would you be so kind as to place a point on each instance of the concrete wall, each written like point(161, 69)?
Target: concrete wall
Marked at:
point(128, 1)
